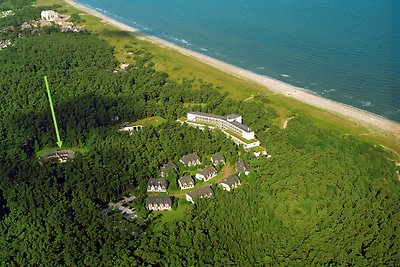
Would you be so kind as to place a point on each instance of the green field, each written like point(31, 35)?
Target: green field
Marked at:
point(153, 121)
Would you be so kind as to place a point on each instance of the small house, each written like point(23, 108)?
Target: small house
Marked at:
point(169, 167)
point(157, 185)
point(49, 15)
point(190, 160)
point(60, 155)
point(230, 182)
point(186, 182)
point(203, 192)
point(127, 127)
point(158, 203)
point(207, 173)
point(217, 158)
point(242, 167)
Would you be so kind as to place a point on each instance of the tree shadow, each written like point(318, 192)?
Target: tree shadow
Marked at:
point(76, 118)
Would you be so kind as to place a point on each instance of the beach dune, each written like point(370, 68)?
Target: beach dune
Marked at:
point(271, 84)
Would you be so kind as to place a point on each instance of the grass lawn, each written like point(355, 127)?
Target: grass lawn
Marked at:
point(179, 66)
point(178, 214)
point(194, 105)
point(154, 121)
point(258, 149)
point(182, 120)
point(241, 138)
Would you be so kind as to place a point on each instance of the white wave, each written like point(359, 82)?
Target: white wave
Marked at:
point(348, 96)
point(285, 75)
point(365, 103)
point(331, 90)
point(261, 68)
point(101, 10)
point(203, 49)
point(183, 41)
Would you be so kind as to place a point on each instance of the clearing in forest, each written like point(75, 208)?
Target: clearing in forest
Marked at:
point(154, 121)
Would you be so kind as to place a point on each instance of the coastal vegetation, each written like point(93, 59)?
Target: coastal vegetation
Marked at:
point(323, 198)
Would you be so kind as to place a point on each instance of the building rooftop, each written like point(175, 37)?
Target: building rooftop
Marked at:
point(241, 126)
point(242, 166)
point(208, 115)
point(157, 182)
point(190, 157)
point(186, 180)
point(207, 171)
point(152, 200)
point(231, 180)
point(60, 154)
point(201, 192)
point(218, 157)
point(169, 166)
point(233, 116)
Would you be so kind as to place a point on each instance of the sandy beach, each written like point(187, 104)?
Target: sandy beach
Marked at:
point(271, 84)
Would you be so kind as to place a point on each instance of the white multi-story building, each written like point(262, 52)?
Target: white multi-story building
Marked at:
point(49, 15)
point(231, 125)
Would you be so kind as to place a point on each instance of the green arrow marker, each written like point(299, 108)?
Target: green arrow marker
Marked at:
point(59, 142)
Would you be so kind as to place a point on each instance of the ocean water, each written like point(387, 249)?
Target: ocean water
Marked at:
point(348, 51)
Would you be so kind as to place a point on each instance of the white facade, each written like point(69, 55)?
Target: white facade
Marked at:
point(246, 145)
point(185, 186)
point(205, 178)
point(131, 128)
point(228, 187)
point(245, 172)
point(49, 15)
point(186, 182)
point(157, 185)
point(190, 160)
point(6, 13)
point(258, 153)
point(190, 199)
point(158, 203)
point(159, 206)
point(156, 188)
point(190, 163)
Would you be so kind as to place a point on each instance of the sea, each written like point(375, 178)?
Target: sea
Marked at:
point(344, 50)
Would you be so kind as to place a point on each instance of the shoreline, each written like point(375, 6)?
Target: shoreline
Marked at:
point(269, 83)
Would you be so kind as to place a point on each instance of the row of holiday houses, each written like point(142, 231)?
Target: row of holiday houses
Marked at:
point(165, 202)
point(187, 182)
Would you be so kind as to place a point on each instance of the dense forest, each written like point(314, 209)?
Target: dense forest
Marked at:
point(323, 198)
